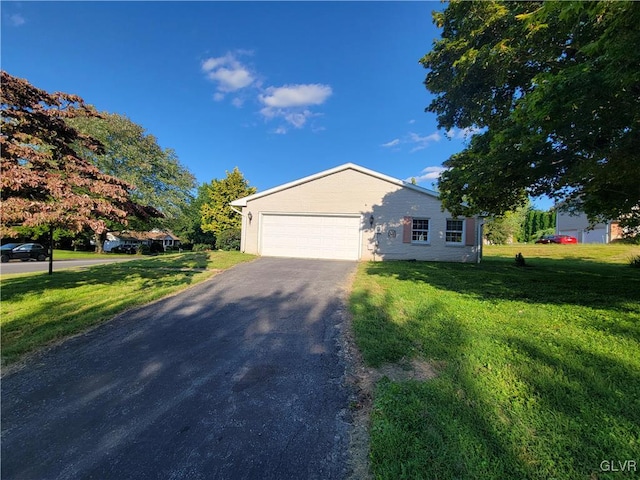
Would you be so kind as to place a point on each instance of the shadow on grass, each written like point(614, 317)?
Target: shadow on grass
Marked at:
point(433, 429)
point(155, 271)
point(545, 281)
point(507, 404)
point(37, 309)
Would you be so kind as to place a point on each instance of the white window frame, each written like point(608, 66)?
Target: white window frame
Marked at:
point(426, 241)
point(448, 231)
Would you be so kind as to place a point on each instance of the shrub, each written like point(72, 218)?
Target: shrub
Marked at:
point(201, 247)
point(627, 240)
point(156, 248)
point(229, 239)
point(635, 261)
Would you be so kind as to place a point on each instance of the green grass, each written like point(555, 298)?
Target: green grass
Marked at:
point(72, 255)
point(39, 308)
point(538, 367)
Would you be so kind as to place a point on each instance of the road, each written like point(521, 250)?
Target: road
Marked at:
point(33, 266)
point(239, 377)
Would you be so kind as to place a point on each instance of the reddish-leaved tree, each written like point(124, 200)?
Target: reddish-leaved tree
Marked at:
point(44, 180)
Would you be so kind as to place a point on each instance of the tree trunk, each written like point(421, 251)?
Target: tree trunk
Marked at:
point(99, 239)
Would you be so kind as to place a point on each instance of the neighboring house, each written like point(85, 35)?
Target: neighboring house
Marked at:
point(128, 238)
point(353, 213)
point(577, 225)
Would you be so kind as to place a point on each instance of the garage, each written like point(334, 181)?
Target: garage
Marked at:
point(352, 213)
point(329, 236)
point(597, 235)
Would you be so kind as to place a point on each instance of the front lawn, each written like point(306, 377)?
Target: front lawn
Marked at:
point(538, 367)
point(78, 255)
point(38, 308)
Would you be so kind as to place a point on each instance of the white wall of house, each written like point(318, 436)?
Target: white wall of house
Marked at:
point(346, 198)
point(113, 240)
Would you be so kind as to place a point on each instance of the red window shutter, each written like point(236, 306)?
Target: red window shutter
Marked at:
point(470, 232)
point(407, 224)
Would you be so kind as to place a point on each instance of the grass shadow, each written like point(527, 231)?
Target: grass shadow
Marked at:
point(39, 308)
point(540, 378)
point(435, 429)
point(544, 281)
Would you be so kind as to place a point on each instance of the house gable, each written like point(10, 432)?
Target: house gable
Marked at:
point(241, 202)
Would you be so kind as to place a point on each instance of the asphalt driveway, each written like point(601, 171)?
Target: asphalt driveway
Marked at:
point(237, 378)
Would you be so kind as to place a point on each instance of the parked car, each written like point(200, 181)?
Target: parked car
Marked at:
point(24, 252)
point(6, 250)
point(564, 239)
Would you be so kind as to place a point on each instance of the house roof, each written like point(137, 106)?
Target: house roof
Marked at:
point(242, 202)
point(129, 235)
point(157, 234)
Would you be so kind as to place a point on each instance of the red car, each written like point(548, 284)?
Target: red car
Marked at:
point(564, 239)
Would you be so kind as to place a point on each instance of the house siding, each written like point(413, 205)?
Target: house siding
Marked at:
point(353, 192)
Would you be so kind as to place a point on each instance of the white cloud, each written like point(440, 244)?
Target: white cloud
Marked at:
point(434, 137)
point(392, 143)
point(296, 95)
point(417, 142)
point(17, 20)
point(421, 142)
point(231, 79)
point(429, 173)
point(295, 117)
point(291, 101)
point(298, 119)
point(228, 73)
point(464, 133)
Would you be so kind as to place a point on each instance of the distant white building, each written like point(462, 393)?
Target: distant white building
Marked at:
point(129, 238)
point(577, 225)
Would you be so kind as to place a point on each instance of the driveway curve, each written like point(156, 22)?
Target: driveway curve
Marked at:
point(239, 377)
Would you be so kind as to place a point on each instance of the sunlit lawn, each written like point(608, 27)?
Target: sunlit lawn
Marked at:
point(73, 255)
point(539, 367)
point(38, 308)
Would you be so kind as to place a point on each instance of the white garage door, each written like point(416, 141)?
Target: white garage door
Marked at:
point(310, 236)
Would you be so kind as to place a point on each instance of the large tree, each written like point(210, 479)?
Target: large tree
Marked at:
point(45, 181)
point(217, 215)
point(552, 91)
point(133, 155)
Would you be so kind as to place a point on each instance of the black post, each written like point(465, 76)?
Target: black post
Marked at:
point(51, 250)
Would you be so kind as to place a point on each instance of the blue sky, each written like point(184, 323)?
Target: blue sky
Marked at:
point(279, 89)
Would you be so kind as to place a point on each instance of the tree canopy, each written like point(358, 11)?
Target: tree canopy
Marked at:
point(217, 214)
point(134, 156)
point(188, 226)
point(552, 90)
point(45, 180)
